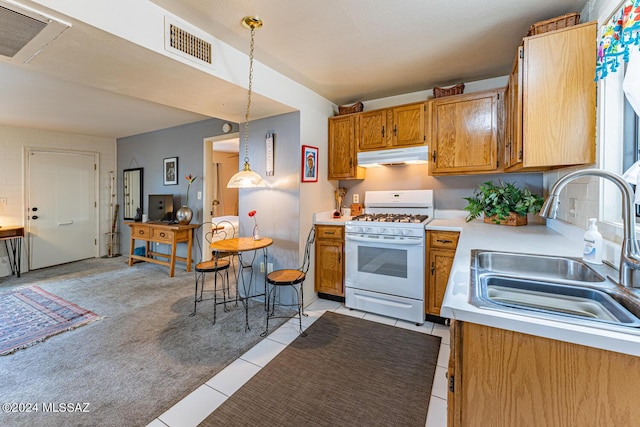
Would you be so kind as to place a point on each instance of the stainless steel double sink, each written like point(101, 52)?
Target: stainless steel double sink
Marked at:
point(559, 288)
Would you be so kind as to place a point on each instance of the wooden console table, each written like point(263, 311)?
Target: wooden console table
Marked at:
point(13, 235)
point(168, 234)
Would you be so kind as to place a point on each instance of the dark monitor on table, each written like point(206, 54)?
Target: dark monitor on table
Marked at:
point(160, 207)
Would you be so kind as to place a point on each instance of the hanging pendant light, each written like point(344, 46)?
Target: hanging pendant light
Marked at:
point(247, 178)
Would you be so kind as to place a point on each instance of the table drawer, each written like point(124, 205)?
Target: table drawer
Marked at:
point(162, 235)
point(329, 232)
point(444, 239)
point(141, 232)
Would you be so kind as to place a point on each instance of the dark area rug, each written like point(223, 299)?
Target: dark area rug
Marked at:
point(145, 355)
point(345, 372)
point(31, 315)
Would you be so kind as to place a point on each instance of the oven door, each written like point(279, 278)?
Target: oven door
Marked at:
point(392, 265)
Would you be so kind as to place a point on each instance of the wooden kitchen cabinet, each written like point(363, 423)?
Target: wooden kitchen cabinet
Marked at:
point(441, 249)
point(329, 260)
point(505, 378)
point(552, 101)
point(466, 131)
point(342, 148)
point(373, 130)
point(396, 127)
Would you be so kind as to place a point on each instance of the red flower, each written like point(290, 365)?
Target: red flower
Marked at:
point(252, 213)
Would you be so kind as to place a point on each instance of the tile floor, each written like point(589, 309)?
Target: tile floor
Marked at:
point(194, 408)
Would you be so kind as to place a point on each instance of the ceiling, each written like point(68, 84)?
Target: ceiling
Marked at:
point(346, 51)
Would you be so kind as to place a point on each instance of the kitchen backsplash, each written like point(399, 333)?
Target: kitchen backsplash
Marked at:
point(449, 191)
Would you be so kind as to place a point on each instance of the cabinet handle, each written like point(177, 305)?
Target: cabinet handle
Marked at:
point(330, 232)
point(162, 235)
point(444, 241)
point(383, 131)
point(339, 258)
point(433, 268)
point(140, 231)
point(395, 130)
point(433, 156)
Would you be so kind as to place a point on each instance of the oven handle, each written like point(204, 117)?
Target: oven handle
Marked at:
point(415, 241)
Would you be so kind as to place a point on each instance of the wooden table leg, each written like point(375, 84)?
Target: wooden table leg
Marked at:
point(173, 257)
point(189, 245)
point(131, 245)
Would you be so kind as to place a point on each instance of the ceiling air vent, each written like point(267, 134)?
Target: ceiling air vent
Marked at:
point(16, 30)
point(24, 32)
point(191, 44)
point(187, 44)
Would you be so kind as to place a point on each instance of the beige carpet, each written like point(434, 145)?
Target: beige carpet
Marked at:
point(145, 355)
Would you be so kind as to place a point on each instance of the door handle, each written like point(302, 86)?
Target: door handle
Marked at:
point(34, 217)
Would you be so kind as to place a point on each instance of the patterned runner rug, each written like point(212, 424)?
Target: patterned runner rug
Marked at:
point(31, 315)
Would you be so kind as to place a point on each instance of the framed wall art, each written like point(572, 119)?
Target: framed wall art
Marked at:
point(309, 163)
point(170, 171)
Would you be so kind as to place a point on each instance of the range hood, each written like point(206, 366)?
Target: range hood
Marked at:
point(395, 156)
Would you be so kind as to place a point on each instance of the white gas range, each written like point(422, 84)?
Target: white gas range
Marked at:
point(385, 251)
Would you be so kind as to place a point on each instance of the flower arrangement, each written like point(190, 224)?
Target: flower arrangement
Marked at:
point(256, 235)
point(190, 179)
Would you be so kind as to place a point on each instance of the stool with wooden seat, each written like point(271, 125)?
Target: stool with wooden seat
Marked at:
point(219, 266)
point(216, 266)
point(293, 278)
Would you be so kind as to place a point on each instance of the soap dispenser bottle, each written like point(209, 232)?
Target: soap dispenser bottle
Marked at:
point(592, 244)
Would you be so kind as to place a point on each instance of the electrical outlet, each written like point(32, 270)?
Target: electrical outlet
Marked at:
point(572, 207)
point(261, 267)
point(356, 198)
point(199, 195)
point(269, 267)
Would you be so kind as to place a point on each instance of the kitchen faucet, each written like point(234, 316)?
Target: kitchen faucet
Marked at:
point(629, 255)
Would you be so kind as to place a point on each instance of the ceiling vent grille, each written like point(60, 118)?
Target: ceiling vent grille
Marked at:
point(25, 32)
point(187, 43)
point(190, 44)
point(16, 30)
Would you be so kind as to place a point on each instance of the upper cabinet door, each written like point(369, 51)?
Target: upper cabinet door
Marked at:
point(464, 133)
point(408, 125)
point(342, 148)
point(559, 97)
point(373, 130)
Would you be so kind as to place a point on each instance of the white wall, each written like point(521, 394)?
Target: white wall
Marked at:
point(13, 142)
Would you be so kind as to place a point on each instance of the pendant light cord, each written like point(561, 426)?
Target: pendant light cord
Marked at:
point(246, 116)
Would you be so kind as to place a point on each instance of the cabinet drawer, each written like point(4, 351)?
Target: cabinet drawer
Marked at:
point(444, 239)
point(162, 235)
point(141, 231)
point(329, 232)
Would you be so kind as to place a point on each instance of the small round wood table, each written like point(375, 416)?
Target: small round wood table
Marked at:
point(239, 245)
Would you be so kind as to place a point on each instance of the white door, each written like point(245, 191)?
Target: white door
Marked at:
point(61, 207)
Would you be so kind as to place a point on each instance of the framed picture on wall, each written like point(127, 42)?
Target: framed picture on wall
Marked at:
point(170, 171)
point(309, 163)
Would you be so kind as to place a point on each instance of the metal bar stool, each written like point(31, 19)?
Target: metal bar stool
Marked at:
point(289, 277)
point(219, 266)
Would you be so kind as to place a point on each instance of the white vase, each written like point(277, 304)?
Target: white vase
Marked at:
point(184, 215)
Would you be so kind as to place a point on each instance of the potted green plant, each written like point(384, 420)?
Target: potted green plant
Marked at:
point(503, 203)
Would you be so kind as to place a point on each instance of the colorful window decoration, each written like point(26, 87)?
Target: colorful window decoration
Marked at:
point(619, 36)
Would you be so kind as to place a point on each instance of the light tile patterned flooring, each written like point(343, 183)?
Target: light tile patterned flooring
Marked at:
point(194, 408)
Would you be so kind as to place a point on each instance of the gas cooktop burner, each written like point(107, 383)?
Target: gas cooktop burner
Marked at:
point(406, 218)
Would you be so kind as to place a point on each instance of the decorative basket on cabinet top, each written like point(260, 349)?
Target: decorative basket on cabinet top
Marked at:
point(349, 109)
